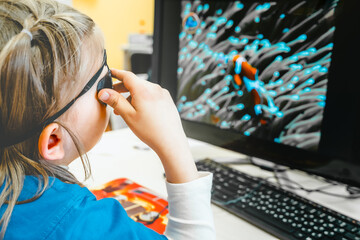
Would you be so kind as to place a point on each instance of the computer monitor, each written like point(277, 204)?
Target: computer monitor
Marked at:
point(271, 79)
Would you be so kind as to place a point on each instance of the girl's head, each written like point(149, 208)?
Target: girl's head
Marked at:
point(48, 53)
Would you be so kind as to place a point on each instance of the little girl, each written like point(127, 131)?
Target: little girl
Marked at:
point(55, 97)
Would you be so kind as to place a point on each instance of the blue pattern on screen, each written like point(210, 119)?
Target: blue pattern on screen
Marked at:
point(258, 68)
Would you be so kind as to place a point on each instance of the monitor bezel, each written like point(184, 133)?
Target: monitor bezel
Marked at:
point(340, 167)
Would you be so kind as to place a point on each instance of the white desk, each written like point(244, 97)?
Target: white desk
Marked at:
point(121, 154)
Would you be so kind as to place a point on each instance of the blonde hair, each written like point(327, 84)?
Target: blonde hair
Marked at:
point(37, 67)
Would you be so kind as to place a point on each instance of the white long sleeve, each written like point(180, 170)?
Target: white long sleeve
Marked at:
point(190, 215)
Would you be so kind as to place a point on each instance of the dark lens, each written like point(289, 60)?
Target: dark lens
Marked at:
point(105, 82)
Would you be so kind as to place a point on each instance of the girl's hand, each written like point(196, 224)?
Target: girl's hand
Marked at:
point(151, 114)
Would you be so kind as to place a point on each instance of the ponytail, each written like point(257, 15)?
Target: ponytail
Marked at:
point(39, 62)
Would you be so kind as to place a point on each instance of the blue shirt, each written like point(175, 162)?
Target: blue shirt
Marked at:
point(68, 211)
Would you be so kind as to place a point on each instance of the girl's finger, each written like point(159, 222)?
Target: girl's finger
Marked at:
point(118, 102)
point(129, 79)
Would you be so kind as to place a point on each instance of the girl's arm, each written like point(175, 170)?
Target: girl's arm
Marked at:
point(150, 113)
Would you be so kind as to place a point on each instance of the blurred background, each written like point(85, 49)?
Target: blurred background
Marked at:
point(128, 27)
point(121, 20)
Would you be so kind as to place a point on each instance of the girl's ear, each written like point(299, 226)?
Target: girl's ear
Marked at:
point(51, 143)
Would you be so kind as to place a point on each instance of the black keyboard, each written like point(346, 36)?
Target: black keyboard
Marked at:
point(275, 210)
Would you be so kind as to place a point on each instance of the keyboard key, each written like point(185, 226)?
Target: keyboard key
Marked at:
point(351, 236)
point(351, 228)
point(221, 197)
point(299, 235)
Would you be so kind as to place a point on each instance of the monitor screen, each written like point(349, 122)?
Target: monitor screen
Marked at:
point(262, 78)
point(257, 68)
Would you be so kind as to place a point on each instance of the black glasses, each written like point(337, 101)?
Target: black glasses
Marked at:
point(105, 82)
